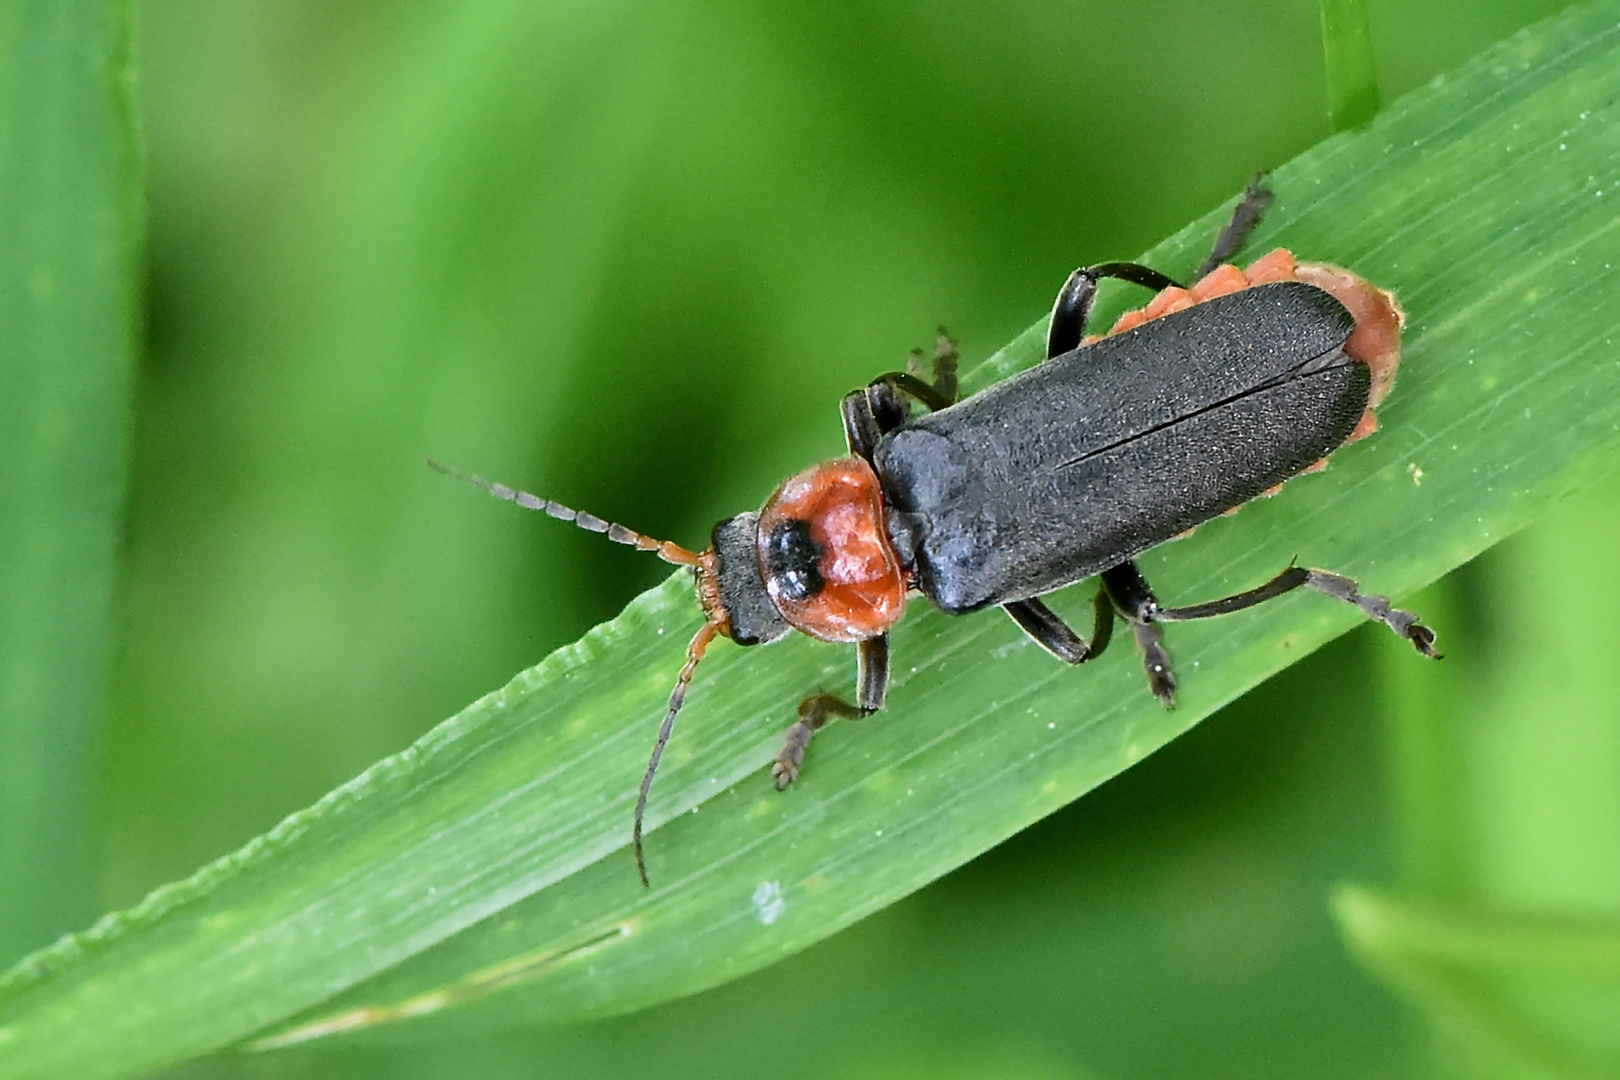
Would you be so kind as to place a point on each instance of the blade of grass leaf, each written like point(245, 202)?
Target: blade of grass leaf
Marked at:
point(69, 189)
point(493, 854)
point(1471, 969)
point(1352, 78)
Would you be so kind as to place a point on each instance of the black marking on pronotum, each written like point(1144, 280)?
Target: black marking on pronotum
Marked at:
point(791, 557)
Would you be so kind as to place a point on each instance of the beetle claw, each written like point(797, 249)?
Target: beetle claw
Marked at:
point(1163, 685)
point(1422, 639)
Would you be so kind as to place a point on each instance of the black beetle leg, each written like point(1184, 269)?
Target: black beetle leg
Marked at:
point(1287, 581)
point(872, 673)
point(880, 406)
point(872, 685)
point(1245, 216)
point(1139, 607)
point(872, 411)
point(1054, 635)
point(1403, 623)
point(862, 428)
point(1072, 308)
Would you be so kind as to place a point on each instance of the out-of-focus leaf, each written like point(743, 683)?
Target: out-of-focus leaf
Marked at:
point(1507, 988)
point(1352, 79)
point(69, 210)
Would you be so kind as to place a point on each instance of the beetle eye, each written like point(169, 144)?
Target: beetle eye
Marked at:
point(792, 558)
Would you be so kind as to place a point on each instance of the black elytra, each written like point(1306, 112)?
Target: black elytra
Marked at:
point(1095, 470)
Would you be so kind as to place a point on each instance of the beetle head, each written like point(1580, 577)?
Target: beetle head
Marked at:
point(817, 558)
point(732, 586)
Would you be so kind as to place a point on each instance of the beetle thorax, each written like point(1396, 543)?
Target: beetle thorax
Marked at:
point(825, 554)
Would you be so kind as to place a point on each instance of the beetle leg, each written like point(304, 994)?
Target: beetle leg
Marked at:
point(872, 411)
point(871, 686)
point(1054, 635)
point(1134, 600)
point(880, 406)
point(872, 673)
point(861, 426)
point(904, 382)
point(1245, 216)
point(1072, 309)
point(814, 712)
point(1287, 581)
point(1403, 623)
point(939, 394)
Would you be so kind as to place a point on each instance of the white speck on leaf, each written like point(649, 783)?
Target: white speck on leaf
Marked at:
point(768, 902)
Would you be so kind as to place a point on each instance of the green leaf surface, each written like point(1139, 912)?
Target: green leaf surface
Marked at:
point(69, 206)
point(490, 861)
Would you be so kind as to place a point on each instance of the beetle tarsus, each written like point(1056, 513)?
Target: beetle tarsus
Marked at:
point(814, 712)
point(1245, 216)
point(1156, 662)
point(946, 359)
point(914, 383)
point(1378, 608)
point(1405, 624)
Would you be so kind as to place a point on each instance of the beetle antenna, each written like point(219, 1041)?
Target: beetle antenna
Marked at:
point(667, 550)
point(677, 697)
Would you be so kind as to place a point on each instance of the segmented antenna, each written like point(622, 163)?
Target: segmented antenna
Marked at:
point(667, 550)
point(677, 697)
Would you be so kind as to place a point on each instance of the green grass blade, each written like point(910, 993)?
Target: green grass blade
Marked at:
point(1507, 987)
point(1352, 78)
point(493, 855)
point(69, 206)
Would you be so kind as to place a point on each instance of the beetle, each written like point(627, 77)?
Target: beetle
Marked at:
point(1203, 400)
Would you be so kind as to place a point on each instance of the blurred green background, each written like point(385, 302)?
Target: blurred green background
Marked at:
point(629, 254)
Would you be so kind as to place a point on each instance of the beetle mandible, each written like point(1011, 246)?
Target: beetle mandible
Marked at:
point(1188, 408)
